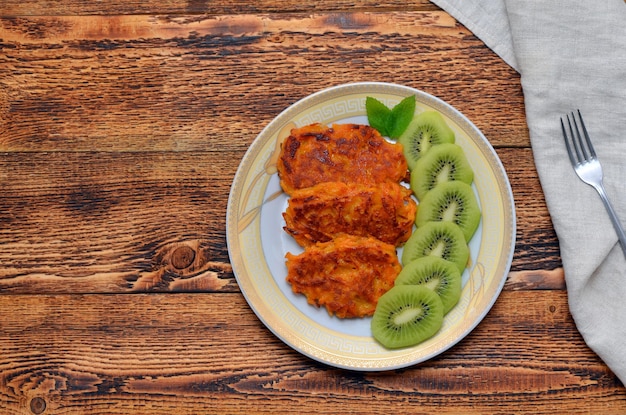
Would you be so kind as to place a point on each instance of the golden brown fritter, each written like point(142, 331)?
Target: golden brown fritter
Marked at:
point(347, 275)
point(343, 153)
point(318, 213)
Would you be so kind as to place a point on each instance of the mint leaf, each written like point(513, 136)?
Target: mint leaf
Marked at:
point(390, 122)
point(378, 115)
point(401, 116)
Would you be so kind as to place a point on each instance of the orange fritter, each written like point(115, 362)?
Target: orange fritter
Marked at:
point(347, 275)
point(318, 213)
point(342, 153)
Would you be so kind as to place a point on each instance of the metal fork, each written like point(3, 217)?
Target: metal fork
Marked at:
point(587, 166)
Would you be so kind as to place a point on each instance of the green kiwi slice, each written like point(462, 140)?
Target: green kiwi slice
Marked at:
point(425, 130)
point(443, 163)
point(451, 202)
point(440, 239)
point(441, 276)
point(407, 315)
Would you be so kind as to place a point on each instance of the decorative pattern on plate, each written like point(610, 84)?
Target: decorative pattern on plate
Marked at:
point(257, 244)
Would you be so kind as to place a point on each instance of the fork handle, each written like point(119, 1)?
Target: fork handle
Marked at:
point(614, 219)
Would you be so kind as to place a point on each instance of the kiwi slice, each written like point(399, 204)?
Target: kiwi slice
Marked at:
point(451, 202)
point(425, 130)
point(443, 163)
point(441, 276)
point(440, 239)
point(407, 315)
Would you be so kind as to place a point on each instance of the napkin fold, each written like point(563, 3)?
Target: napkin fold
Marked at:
point(571, 54)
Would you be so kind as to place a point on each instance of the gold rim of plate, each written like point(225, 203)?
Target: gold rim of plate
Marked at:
point(257, 243)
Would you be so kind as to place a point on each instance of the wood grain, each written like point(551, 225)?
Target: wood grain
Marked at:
point(118, 7)
point(209, 83)
point(192, 352)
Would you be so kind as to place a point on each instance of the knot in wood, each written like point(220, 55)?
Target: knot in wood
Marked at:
point(277, 38)
point(183, 257)
point(37, 405)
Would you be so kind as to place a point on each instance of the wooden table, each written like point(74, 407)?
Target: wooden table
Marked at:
point(122, 124)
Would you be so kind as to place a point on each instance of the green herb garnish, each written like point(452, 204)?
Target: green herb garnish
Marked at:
point(390, 122)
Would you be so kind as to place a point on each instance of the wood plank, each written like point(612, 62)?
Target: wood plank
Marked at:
point(100, 222)
point(537, 244)
point(205, 83)
point(208, 352)
point(82, 222)
point(118, 7)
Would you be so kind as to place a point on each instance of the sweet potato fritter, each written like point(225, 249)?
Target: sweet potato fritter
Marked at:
point(343, 153)
point(318, 213)
point(347, 275)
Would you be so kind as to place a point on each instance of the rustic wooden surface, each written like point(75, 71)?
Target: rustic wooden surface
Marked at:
point(122, 125)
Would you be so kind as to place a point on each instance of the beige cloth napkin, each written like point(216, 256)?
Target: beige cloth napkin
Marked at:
point(572, 54)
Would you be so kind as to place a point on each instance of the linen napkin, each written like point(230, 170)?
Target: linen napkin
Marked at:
point(571, 54)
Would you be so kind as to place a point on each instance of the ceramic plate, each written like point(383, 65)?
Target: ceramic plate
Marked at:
point(257, 244)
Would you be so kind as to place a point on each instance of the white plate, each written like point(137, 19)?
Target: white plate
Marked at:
point(257, 244)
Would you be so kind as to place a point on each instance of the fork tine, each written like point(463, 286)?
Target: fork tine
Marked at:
point(576, 143)
point(587, 139)
point(581, 144)
point(567, 144)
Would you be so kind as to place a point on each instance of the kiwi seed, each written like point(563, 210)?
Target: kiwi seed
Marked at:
point(407, 315)
point(424, 131)
point(441, 239)
point(451, 202)
point(439, 275)
point(443, 163)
